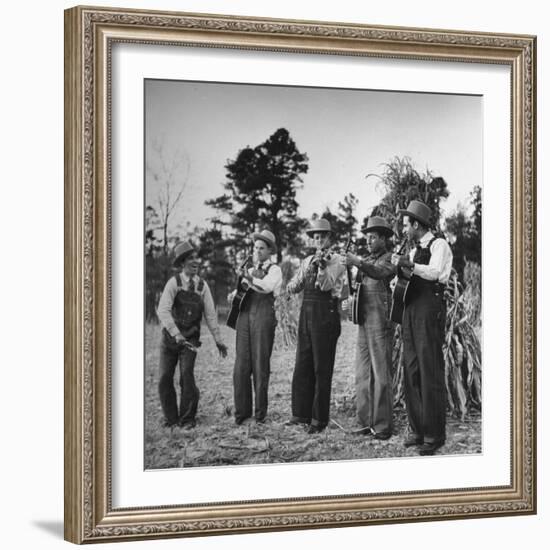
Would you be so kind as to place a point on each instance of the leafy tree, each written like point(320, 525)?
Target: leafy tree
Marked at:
point(475, 229)
point(458, 230)
point(217, 270)
point(346, 213)
point(464, 232)
point(152, 225)
point(261, 191)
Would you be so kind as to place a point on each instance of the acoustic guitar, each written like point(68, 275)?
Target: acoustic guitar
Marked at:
point(239, 300)
point(400, 290)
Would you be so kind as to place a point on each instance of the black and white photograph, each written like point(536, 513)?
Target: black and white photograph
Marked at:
point(312, 274)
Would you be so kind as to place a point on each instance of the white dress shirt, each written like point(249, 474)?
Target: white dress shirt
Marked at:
point(441, 261)
point(271, 282)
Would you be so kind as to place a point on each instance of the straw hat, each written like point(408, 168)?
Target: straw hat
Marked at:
point(380, 225)
point(267, 237)
point(418, 210)
point(320, 225)
point(181, 252)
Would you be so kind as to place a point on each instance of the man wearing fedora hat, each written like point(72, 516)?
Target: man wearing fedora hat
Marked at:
point(373, 380)
point(185, 300)
point(321, 277)
point(423, 328)
point(256, 330)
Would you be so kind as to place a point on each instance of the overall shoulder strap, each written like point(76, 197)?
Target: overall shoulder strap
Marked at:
point(200, 286)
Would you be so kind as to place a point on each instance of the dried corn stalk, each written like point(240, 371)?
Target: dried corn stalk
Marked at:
point(461, 352)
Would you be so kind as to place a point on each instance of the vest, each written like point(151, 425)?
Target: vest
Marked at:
point(187, 309)
point(418, 285)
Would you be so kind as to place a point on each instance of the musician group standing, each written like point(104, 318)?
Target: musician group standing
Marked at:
point(321, 277)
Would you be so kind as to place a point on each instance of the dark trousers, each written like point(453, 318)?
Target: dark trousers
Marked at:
point(318, 333)
point(254, 344)
point(373, 379)
point(424, 367)
point(170, 355)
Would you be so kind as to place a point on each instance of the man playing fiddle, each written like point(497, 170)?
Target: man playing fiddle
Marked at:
point(321, 277)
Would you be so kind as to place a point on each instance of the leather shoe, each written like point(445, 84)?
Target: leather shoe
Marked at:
point(296, 422)
point(315, 429)
point(428, 449)
point(413, 441)
point(382, 436)
point(364, 431)
point(187, 424)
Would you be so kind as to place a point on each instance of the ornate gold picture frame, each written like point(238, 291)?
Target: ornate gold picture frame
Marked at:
point(90, 36)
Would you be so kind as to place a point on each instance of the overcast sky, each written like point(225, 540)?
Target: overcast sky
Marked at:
point(346, 134)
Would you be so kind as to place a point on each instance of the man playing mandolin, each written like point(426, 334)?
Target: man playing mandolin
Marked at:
point(373, 380)
point(256, 330)
point(424, 328)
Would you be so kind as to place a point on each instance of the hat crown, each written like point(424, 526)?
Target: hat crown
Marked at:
point(182, 249)
point(419, 210)
point(378, 222)
point(319, 225)
point(266, 234)
point(267, 237)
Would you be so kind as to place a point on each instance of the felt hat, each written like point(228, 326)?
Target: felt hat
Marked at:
point(320, 225)
point(267, 237)
point(181, 252)
point(380, 225)
point(418, 210)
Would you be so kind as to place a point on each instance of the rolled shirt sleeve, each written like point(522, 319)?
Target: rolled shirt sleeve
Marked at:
point(164, 309)
point(210, 315)
point(270, 283)
point(441, 263)
point(297, 283)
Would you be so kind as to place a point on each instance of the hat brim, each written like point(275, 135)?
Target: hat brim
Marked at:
point(311, 231)
point(260, 237)
point(379, 229)
point(415, 216)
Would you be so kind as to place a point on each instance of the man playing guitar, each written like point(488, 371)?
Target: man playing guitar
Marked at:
point(256, 330)
point(423, 328)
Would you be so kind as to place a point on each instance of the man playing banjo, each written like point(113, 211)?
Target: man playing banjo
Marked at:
point(373, 379)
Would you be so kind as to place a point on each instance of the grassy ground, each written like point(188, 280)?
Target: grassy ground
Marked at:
point(217, 440)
